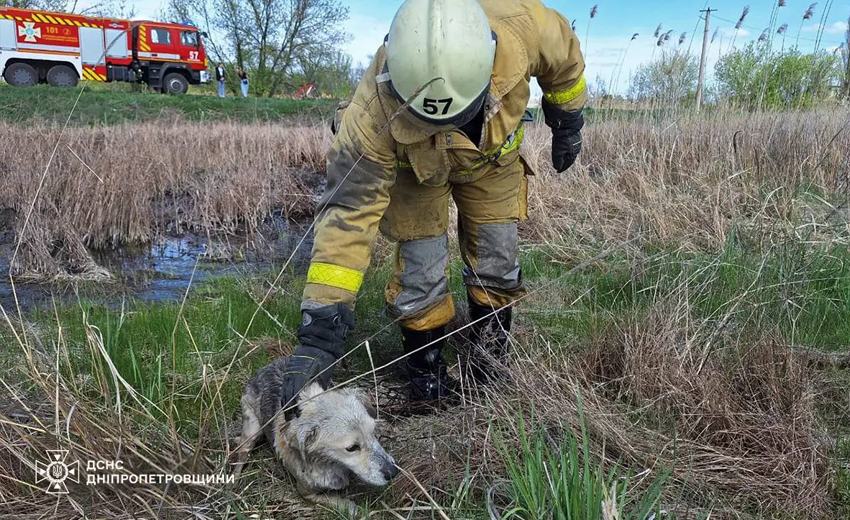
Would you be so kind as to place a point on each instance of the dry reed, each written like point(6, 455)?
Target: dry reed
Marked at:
point(679, 180)
point(740, 432)
point(690, 182)
point(129, 184)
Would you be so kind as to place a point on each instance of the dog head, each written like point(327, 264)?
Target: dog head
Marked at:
point(337, 427)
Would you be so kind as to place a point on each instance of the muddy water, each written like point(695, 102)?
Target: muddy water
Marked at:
point(162, 271)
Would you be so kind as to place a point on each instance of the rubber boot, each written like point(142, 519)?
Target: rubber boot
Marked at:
point(426, 368)
point(489, 341)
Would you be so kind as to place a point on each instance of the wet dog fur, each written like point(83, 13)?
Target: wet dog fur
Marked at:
point(329, 440)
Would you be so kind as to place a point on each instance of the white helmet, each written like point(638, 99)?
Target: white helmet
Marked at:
point(444, 51)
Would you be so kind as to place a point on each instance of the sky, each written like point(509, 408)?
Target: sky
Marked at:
point(605, 39)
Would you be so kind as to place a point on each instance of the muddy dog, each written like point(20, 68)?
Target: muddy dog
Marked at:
point(329, 439)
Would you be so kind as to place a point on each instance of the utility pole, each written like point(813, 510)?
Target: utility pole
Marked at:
point(703, 58)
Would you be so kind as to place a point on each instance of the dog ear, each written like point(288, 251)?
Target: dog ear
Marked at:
point(371, 410)
point(305, 437)
point(309, 392)
point(368, 401)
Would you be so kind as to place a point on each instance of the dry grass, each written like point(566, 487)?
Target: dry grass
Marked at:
point(734, 424)
point(683, 181)
point(735, 427)
point(733, 418)
point(128, 184)
point(690, 182)
point(90, 417)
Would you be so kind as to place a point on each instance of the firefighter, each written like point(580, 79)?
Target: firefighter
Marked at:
point(438, 117)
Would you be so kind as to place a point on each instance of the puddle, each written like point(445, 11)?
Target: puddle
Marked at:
point(162, 271)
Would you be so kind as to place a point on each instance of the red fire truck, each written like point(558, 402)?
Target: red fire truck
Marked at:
point(61, 49)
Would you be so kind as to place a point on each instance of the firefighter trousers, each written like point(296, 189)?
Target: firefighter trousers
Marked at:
point(490, 202)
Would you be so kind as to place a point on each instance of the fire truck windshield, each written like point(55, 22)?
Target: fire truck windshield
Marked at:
point(189, 38)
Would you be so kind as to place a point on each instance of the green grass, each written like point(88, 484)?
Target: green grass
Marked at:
point(802, 294)
point(115, 104)
point(160, 348)
point(154, 344)
point(565, 482)
point(842, 477)
point(164, 350)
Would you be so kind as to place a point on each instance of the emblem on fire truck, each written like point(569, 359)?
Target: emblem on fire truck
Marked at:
point(29, 31)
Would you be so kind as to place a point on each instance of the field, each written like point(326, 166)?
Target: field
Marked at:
point(684, 350)
point(119, 103)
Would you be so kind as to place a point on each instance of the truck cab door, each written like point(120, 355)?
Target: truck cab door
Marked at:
point(162, 43)
point(117, 41)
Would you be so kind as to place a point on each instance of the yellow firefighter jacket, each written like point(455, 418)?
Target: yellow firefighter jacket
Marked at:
point(377, 136)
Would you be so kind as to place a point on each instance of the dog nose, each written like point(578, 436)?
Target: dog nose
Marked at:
point(389, 471)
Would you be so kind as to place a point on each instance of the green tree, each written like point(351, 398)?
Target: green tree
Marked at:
point(271, 39)
point(670, 79)
point(756, 78)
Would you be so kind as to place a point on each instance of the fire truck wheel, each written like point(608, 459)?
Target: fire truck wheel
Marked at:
point(175, 83)
point(20, 75)
point(62, 76)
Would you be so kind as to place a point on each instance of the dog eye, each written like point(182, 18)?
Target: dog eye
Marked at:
point(353, 448)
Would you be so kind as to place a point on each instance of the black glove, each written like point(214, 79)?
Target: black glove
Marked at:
point(321, 342)
point(566, 135)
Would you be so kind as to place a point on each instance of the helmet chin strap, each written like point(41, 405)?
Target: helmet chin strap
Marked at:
point(473, 109)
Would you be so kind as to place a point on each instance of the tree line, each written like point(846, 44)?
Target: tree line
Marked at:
point(754, 77)
point(282, 43)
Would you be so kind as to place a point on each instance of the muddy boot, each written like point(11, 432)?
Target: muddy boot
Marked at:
point(426, 369)
point(488, 338)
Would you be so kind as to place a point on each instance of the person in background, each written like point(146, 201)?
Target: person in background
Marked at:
point(243, 81)
point(219, 78)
